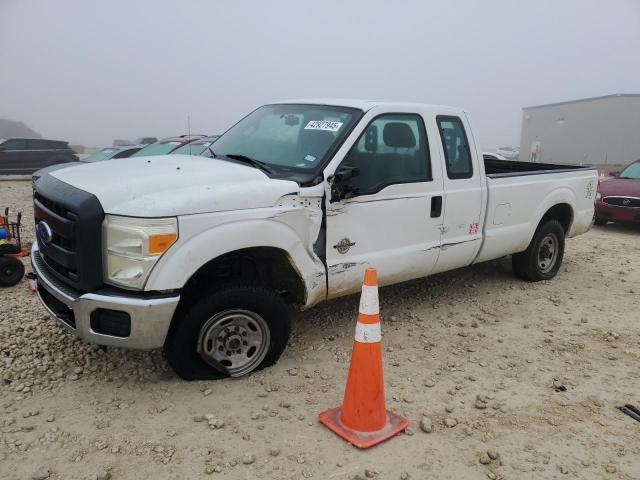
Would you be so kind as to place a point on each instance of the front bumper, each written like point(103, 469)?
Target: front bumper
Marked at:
point(150, 315)
point(615, 213)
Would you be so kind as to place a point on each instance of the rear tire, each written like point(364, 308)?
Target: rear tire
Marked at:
point(11, 271)
point(241, 329)
point(543, 258)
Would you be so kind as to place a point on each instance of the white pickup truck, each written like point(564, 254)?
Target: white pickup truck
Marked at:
point(205, 257)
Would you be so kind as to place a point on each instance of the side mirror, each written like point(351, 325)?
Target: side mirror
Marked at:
point(340, 187)
point(614, 174)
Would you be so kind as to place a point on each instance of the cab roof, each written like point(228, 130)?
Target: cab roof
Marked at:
point(364, 105)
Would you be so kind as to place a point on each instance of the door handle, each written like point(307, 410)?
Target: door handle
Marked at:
point(436, 206)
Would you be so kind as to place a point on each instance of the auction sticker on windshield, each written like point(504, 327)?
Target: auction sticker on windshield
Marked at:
point(323, 125)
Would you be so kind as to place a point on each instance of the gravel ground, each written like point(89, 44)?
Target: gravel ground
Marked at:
point(499, 379)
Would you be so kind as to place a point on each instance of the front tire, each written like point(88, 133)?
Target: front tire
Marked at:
point(543, 258)
point(231, 332)
point(599, 221)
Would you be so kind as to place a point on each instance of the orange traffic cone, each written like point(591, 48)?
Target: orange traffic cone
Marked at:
point(363, 419)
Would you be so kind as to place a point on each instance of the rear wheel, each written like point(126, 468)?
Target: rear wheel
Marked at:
point(543, 258)
point(232, 332)
point(11, 271)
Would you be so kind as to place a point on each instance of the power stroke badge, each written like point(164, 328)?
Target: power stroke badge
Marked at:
point(344, 245)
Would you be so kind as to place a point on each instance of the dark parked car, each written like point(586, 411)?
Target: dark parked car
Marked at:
point(166, 145)
point(26, 155)
point(107, 153)
point(197, 147)
point(618, 199)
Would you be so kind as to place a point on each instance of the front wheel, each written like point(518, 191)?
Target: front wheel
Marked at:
point(543, 258)
point(599, 221)
point(231, 332)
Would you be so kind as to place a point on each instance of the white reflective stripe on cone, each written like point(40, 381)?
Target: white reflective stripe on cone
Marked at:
point(368, 332)
point(369, 300)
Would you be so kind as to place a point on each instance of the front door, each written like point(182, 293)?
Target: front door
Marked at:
point(14, 155)
point(392, 219)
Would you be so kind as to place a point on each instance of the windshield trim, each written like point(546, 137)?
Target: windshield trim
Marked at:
point(306, 176)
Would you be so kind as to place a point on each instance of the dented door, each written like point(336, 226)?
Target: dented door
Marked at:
point(392, 222)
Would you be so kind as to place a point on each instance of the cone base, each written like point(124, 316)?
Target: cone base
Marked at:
point(395, 424)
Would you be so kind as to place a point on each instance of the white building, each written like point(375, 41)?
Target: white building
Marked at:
point(594, 131)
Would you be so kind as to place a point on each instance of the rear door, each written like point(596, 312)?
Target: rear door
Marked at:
point(464, 193)
point(393, 220)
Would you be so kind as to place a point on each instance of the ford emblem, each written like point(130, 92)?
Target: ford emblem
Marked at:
point(44, 233)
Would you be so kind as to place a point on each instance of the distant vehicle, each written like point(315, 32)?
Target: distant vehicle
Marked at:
point(145, 140)
point(166, 145)
point(492, 156)
point(618, 199)
point(197, 147)
point(107, 153)
point(26, 155)
point(119, 142)
point(509, 153)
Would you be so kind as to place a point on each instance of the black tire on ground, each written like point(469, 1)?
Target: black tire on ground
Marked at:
point(599, 221)
point(182, 344)
point(543, 258)
point(11, 271)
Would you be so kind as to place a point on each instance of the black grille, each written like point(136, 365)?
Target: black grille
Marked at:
point(630, 202)
point(71, 245)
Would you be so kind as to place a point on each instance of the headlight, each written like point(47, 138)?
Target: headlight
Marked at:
point(133, 246)
point(598, 196)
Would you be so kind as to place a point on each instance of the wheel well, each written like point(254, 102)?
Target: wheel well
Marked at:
point(265, 266)
point(561, 212)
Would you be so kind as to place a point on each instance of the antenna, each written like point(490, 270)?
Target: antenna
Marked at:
point(189, 132)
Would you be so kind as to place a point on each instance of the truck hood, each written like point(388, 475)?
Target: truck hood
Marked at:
point(172, 185)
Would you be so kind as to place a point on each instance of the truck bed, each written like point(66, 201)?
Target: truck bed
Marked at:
point(519, 194)
point(510, 168)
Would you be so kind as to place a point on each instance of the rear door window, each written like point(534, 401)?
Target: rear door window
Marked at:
point(455, 144)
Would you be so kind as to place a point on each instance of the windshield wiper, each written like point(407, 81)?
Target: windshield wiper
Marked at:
point(251, 161)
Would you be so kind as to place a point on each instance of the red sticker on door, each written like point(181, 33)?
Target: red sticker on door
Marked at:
point(473, 228)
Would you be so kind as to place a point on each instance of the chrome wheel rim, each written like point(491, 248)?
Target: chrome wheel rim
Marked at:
point(548, 253)
point(236, 339)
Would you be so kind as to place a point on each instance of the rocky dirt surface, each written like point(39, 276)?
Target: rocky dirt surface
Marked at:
point(499, 379)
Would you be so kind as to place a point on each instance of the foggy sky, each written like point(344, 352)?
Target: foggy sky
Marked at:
point(89, 71)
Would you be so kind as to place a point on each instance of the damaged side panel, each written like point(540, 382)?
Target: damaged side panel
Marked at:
point(303, 213)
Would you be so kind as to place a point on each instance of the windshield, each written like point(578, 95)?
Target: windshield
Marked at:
point(193, 148)
point(104, 154)
point(159, 148)
point(294, 136)
point(632, 171)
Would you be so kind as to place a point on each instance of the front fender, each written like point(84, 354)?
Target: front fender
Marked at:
point(200, 242)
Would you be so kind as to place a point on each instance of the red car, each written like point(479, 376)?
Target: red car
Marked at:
point(618, 199)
